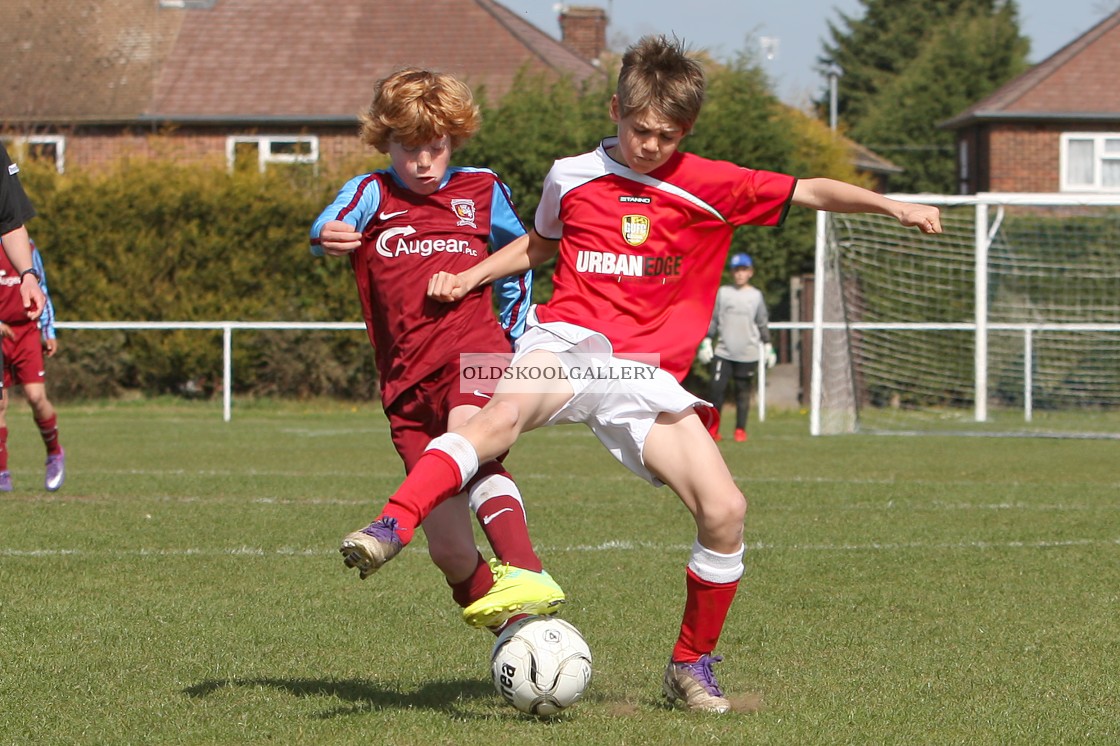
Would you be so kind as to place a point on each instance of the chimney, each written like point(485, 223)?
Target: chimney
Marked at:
point(583, 29)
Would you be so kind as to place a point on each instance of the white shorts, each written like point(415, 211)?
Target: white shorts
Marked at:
point(620, 411)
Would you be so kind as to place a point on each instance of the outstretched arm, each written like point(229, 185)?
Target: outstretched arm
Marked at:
point(839, 196)
point(520, 255)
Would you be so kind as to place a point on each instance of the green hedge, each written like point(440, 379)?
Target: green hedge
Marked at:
point(163, 241)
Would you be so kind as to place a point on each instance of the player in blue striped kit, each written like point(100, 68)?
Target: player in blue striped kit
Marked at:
point(398, 227)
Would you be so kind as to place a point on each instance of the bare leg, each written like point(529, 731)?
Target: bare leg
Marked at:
point(703, 481)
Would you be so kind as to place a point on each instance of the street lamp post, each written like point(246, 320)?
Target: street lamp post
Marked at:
point(833, 72)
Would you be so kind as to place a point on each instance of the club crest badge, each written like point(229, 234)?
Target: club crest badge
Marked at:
point(635, 229)
point(464, 211)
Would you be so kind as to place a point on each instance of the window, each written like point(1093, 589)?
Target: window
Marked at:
point(186, 4)
point(1090, 162)
point(49, 148)
point(259, 151)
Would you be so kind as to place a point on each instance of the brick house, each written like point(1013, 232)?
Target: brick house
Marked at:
point(264, 81)
point(272, 80)
point(1055, 128)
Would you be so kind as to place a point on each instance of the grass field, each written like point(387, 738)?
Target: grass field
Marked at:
point(184, 587)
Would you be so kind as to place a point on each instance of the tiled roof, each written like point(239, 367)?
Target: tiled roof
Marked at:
point(866, 159)
point(81, 60)
point(254, 60)
point(1076, 82)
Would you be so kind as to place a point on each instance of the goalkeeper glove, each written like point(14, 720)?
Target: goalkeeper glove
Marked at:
point(705, 353)
point(771, 356)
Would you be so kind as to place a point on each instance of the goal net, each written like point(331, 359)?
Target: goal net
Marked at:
point(1008, 322)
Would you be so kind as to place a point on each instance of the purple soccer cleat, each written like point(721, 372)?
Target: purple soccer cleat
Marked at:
point(694, 685)
point(56, 470)
point(371, 547)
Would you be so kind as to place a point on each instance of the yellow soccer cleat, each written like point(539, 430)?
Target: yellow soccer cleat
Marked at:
point(515, 591)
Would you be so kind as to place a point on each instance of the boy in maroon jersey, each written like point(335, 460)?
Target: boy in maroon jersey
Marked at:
point(399, 227)
point(24, 342)
point(641, 232)
point(15, 210)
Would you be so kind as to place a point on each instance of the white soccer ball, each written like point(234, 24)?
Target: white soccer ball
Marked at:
point(541, 665)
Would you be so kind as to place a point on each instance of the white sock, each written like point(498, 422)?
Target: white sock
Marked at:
point(715, 567)
point(494, 485)
point(459, 449)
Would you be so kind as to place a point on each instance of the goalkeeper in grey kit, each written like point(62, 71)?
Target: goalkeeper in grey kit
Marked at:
point(740, 324)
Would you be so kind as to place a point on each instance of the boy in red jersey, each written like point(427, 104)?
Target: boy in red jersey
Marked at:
point(399, 227)
point(641, 231)
point(24, 342)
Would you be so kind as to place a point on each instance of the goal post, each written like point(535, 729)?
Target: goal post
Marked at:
point(1008, 321)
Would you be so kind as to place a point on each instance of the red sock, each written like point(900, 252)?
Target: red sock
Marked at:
point(48, 429)
point(710, 416)
point(466, 592)
point(3, 449)
point(705, 611)
point(508, 533)
point(433, 479)
point(502, 518)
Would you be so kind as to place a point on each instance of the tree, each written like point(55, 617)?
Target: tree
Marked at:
point(536, 122)
point(742, 121)
point(910, 64)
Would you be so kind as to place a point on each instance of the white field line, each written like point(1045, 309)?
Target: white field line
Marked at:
point(908, 504)
point(912, 505)
point(623, 475)
point(335, 433)
point(607, 547)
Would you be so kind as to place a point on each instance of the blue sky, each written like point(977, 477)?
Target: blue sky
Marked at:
point(800, 26)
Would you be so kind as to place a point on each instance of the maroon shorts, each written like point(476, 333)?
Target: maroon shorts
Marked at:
point(23, 356)
point(420, 413)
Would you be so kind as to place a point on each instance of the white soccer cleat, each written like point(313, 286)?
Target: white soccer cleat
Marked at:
point(694, 685)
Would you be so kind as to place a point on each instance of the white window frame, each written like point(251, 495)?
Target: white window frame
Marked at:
point(1099, 157)
point(20, 143)
point(186, 4)
point(265, 144)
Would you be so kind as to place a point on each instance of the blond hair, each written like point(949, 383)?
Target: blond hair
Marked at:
point(657, 75)
point(414, 106)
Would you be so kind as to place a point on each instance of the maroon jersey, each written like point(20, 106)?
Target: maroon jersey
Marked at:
point(642, 255)
point(11, 303)
point(408, 237)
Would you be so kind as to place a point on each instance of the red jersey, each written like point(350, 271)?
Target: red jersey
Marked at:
point(408, 237)
point(642, 255)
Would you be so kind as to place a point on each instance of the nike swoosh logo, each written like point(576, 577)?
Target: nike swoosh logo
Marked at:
point(478, 392)
point(387, 215)
point(492, 516)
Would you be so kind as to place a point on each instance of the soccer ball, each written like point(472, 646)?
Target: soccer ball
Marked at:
point(541, 665)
